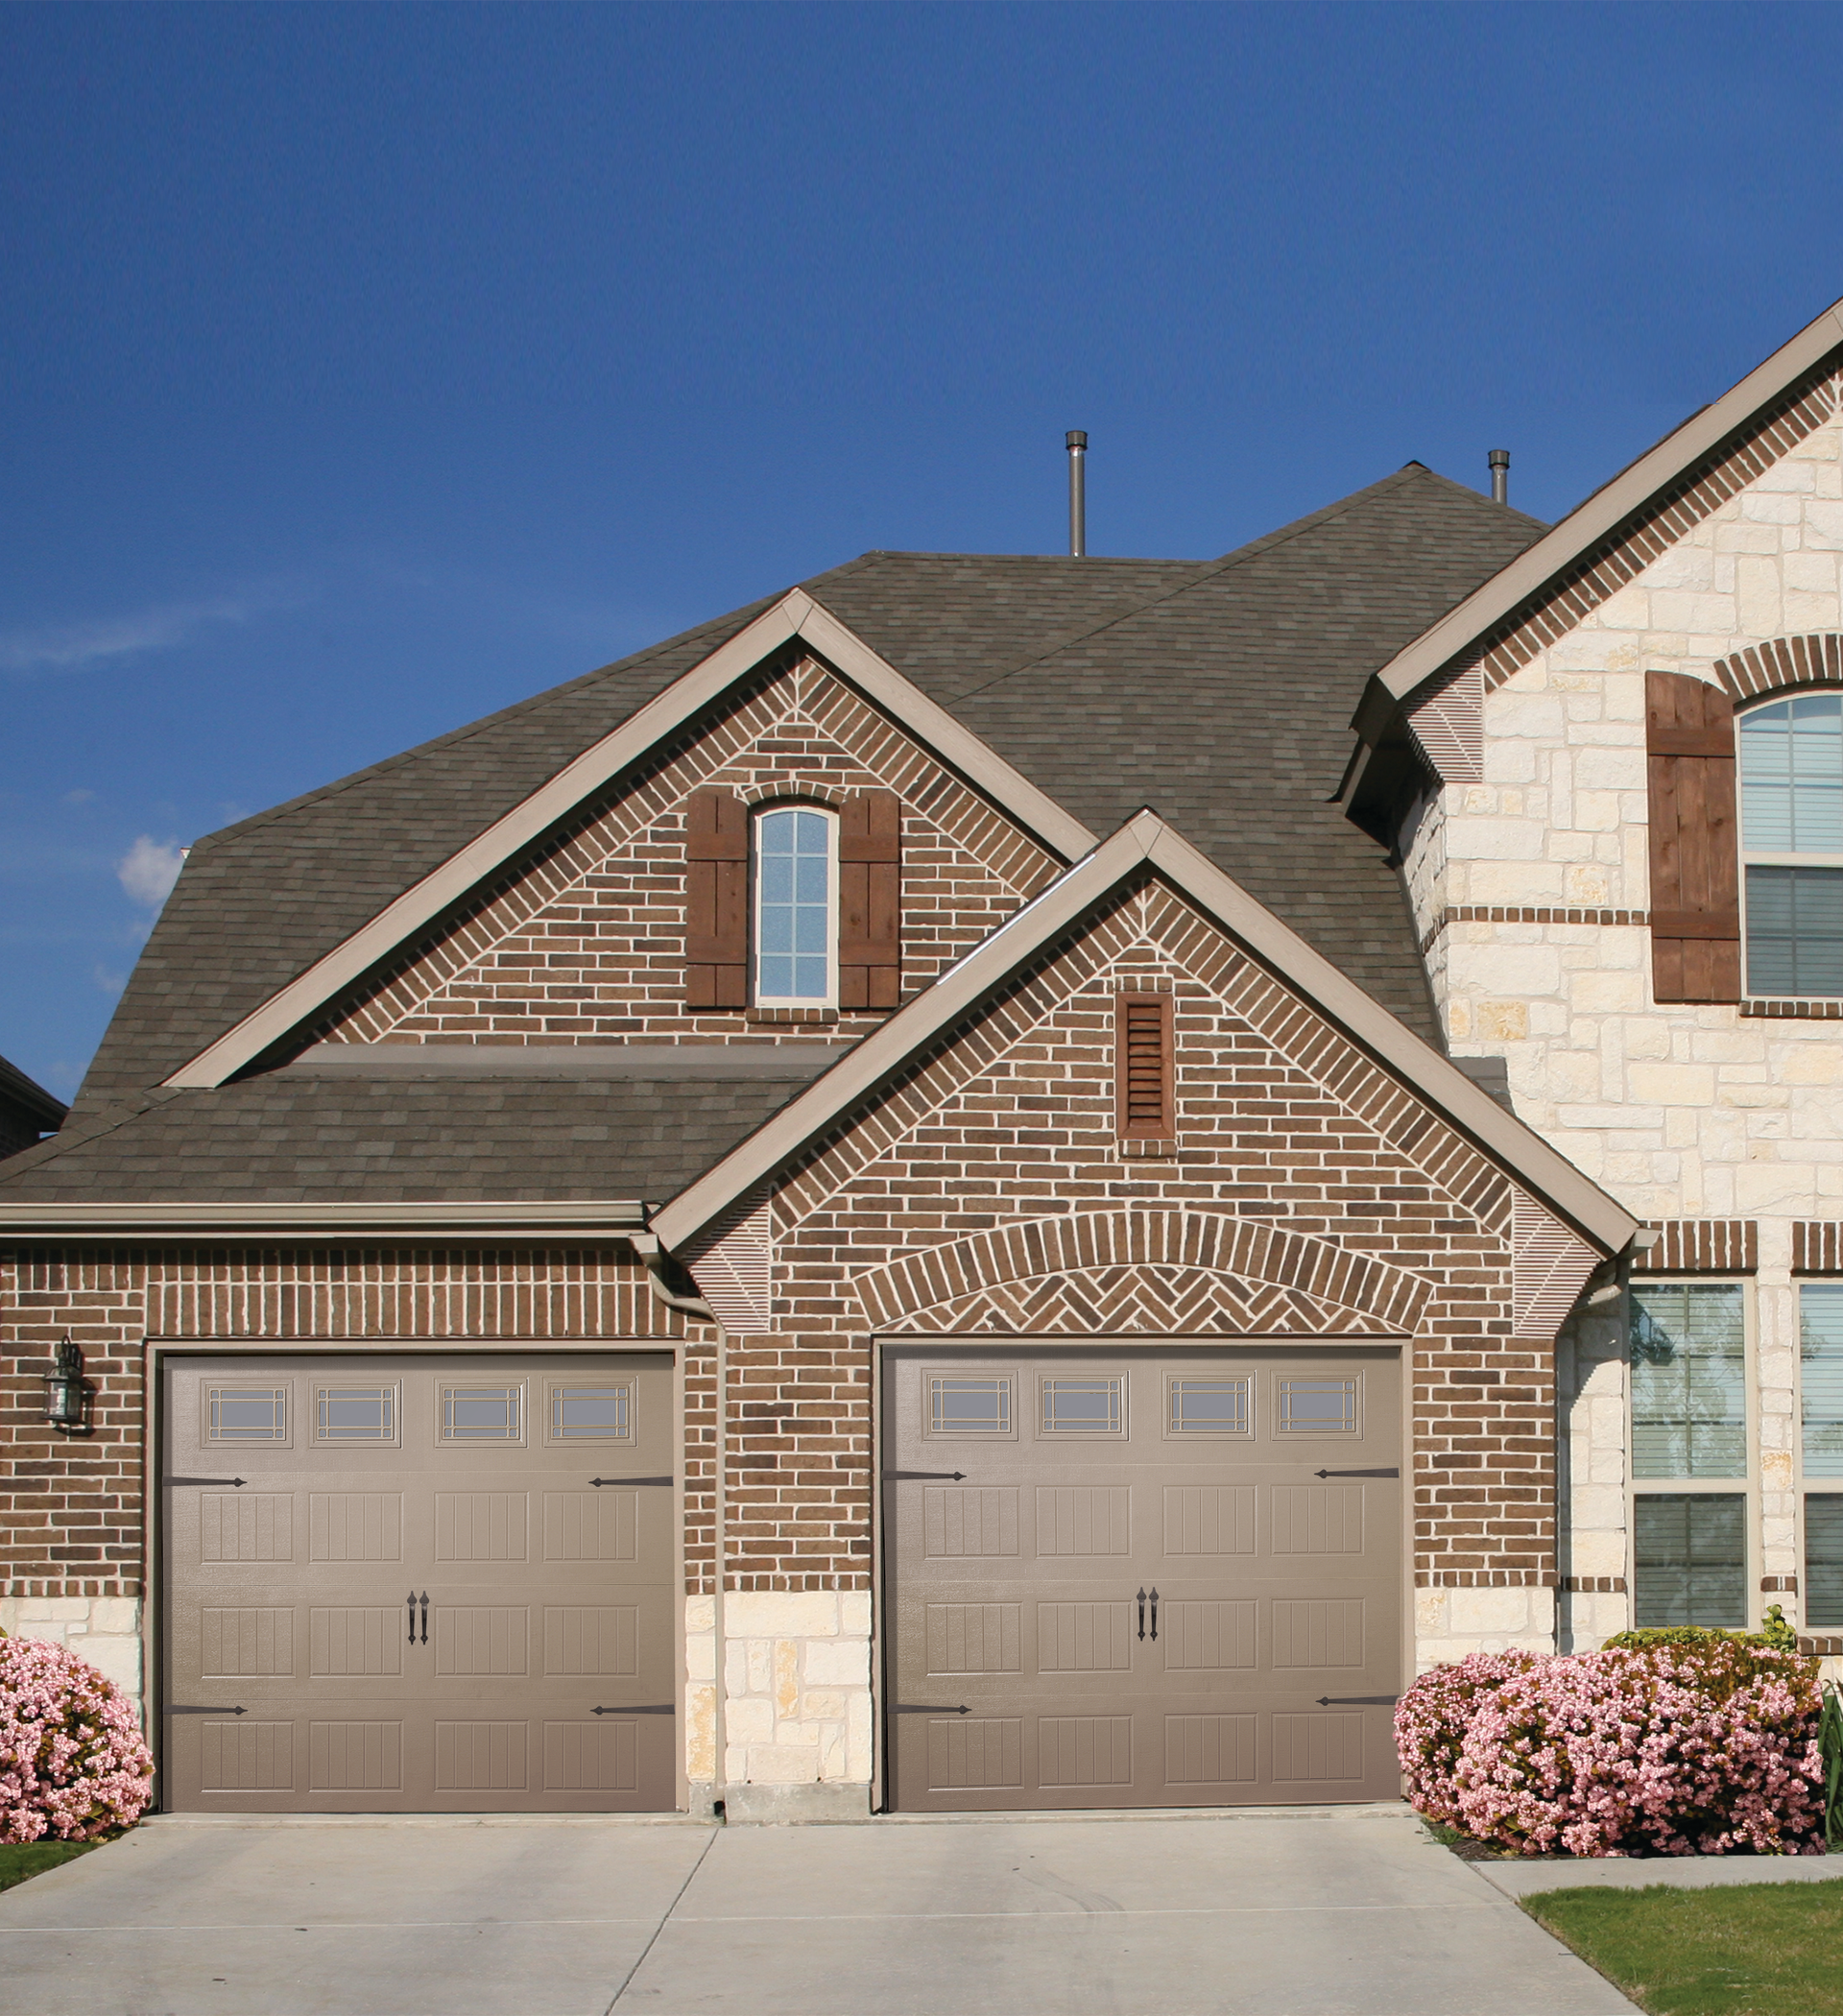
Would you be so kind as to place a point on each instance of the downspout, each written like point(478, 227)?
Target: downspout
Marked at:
point(653, 1257)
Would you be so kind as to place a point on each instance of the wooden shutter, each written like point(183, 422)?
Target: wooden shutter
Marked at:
point(716, 901)
point(870, 901)
point(1695, 865)
point(1143, 1089)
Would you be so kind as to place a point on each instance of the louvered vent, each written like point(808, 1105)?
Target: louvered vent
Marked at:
point(1142, 1066)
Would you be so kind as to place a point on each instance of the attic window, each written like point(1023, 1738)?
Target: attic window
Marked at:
point(1143, 1066)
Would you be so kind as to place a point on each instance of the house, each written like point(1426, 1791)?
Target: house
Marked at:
point(27, 1111)
point(946, 1194)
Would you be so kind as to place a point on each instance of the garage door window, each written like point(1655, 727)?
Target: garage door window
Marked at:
point(591, 1413)
point(355, 1414)
point(1317, 1406)
point(1210, 1406)
point(245, 1413)
point(483, 1414)
point(968, 1407)
point(1084, 1407)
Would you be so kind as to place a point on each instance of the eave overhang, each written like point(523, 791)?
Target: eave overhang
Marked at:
point(485, 1220)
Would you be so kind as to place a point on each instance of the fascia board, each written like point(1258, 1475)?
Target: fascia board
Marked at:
point(1147, 839)
point(1607, 509)
point(598, 1217)
point(795, 614)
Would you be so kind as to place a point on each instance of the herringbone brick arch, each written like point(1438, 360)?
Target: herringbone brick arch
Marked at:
point(1155, 1271)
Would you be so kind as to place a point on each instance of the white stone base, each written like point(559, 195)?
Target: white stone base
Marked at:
point(799, 1740)
point(1449, 1624)
point(105, 1630)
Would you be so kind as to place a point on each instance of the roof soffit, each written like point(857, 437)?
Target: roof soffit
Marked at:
point(1541, 569)
point(1148, 841)
point(795, 617)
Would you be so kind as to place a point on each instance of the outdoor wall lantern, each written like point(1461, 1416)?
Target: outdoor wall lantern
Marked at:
point(67, 1391)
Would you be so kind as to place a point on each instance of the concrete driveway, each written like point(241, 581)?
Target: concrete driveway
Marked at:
point(1264, 1914)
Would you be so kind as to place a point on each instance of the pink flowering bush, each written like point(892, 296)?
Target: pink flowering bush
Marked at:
point(1672, 1749)
point(72, 1761)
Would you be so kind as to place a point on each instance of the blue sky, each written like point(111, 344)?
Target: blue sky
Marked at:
point(365, 368)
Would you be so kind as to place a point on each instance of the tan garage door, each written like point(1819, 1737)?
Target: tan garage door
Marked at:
point(1143, 1577)
point(419, 1583)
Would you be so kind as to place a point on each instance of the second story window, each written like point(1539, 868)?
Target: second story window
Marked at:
point(796, 890)
point(1791, 827)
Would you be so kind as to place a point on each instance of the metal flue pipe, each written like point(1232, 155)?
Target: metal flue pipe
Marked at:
point(1077, 444)
point(1500, 462)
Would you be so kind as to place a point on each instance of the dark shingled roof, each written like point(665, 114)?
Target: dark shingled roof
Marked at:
point(1219, 693)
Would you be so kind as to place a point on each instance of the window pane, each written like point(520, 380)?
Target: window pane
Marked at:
point(1795, 930)
point(1820, 1312)
point(1689, 1382)
point(1083, 1407)
point(1317, 1406)
point(481, 1414)
point(1690, 1556)
point(793, 906)
point(593, 1413)
point(1823, 1563)
point(1791, 774)
point(1208, 1407)
point(355, 1414)
point(248, 1414)
point(969, 1407)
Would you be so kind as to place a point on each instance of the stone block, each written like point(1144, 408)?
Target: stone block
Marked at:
point(854, 1612)
point(750, 1719)
point(699, 1732)
point(823, 1704)
point(1608, 769)
point(840, 1662)
point(1474, 839)
point(115, 1614)
point(116, 1659)
point(787, 1675)
point(780, 1614)
point(1492, 1612)
point(700, 1656)
point(1672, 1084)
point(699, 1614)
point(782, 1763)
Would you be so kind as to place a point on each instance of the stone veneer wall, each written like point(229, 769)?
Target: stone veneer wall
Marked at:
point(1530, 887)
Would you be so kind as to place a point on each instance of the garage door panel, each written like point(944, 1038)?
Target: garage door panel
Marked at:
point(1176, 1611)
point(389, 1618)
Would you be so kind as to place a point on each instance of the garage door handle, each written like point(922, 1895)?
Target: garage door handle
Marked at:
point(1358, 1700)
point(657, 1708)
point(1141, 1613)
point(1357, 1473)
point(597, 1482)
point(186, 1708)
point(1154, 1617)
point(234, 1483)
point(907, 1476)
point(901, 1709)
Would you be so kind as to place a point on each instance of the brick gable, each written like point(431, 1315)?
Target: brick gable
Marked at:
point(586, 944)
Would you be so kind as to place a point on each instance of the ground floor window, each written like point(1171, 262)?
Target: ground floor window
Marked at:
point(1824, 1563)
point(1690, 1559)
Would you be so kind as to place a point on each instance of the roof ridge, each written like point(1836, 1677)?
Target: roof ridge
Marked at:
point(1207, 569)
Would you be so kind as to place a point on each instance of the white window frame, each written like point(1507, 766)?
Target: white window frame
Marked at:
point(1752, 858)
point(762, 813)
point(1745, 1486)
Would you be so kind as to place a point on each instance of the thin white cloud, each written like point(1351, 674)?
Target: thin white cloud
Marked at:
point(70, 647)
point(148, 870)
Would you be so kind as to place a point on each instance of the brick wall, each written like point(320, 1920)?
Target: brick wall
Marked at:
point(587, 944)
point(1306, 1192)
point(71, 1520)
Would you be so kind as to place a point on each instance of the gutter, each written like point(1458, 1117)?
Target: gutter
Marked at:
point(588, 1218)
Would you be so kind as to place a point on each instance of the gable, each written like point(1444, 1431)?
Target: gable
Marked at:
point(586, 944)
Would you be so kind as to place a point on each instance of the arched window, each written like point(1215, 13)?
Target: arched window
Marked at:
point(1791, 835)
point(796, 905)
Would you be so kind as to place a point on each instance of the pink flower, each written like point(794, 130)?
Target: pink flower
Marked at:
point(1698, 1749)
point(72, 1761)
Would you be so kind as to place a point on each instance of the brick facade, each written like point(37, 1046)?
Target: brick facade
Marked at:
point(587, 945)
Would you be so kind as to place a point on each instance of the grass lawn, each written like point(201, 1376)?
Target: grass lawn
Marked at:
point(1770, 1949)
point(19, 1860)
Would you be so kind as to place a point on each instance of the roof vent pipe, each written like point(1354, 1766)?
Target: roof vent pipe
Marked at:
point(1077, 444)
point(1500, 461)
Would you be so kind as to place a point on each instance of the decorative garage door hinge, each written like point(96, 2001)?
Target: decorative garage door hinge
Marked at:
point(1357, 1473)
point(233, 1482)
point(598, 1483)
point(1358, 1700)
point(901, 1708)
point(186, 1708)
point(905, 1477)
point(654, 1707)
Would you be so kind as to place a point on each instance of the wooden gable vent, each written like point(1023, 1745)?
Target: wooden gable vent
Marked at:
point(1144, 1092)
point(1695, 862)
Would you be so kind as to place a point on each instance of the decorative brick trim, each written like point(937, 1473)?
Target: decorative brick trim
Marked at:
point(1817, 1246)
point(1134, 1146)
point(1528, 913)
point(1701, 1246)
point(1819, 1647)
point(790, 1016)
point(1795, 1011)
point(1485, 1578)
point(1194, 1241)
point(1593, 1585)
point(1778, 1585)
point(74, 1586)
point(1813, 660)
